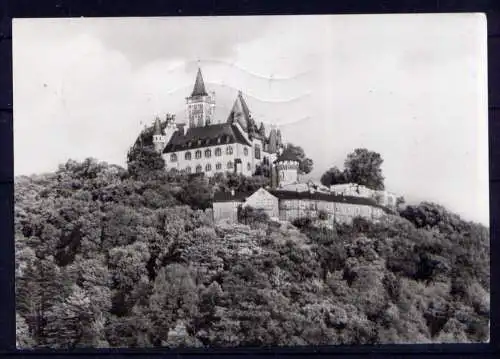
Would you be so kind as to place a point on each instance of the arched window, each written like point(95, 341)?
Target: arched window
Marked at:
point(229, 150)
point(197, 154)
point(245, 151)
point(173, 157)
point(208, 153)
point(187, 156)
point(188, 169)
point(248, 166)
point(218, 152)
point(218, 166)
point(198, 169)
point(208, 167)
point(230, 165)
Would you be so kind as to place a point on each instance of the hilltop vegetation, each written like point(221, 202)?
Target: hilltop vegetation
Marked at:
point(131, 258)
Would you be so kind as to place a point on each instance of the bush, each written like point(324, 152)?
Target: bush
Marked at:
point(302, 222)
point(249, 215)
point(322, 215)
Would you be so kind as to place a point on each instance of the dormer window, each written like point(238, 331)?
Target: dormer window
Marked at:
point(218, 140)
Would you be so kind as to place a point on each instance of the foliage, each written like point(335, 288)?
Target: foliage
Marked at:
point(361, 166)
point(249, 215)
point(110, 257)
point(322, 215)
point(144, 162)
point(334, 176)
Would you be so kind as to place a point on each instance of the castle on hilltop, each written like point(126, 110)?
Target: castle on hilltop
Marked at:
point(201, 144)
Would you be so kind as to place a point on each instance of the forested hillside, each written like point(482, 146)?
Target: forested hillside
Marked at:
point(131, 258)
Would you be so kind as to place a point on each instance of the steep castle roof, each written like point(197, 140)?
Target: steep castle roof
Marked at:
point(212, 135)
point(240, 113)
point(199, 86)
point(157, 127)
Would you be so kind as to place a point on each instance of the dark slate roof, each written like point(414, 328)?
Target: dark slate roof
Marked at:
point(224, 196)
point(287, 156)
point(199, 86)
point(318, 196)
point(205, 136)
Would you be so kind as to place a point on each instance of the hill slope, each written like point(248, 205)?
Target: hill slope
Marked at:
point(104, 258)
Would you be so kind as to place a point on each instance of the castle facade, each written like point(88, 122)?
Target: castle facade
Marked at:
point(201, 144)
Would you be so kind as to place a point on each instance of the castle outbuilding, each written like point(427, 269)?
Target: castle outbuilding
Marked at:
point(287, 199)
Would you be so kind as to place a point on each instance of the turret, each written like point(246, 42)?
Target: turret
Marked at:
point(287, 167)
point(159, 140)
point(273, 140)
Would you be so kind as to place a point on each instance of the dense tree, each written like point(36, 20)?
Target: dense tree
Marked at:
point(144, 162)
point(334, 176)
point(108, 257)
point(364, 167)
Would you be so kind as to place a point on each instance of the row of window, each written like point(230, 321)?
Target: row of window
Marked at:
point(208, 153)
point(218, 167)
point(312, 206)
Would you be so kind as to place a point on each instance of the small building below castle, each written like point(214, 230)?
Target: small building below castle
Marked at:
point(288, 199)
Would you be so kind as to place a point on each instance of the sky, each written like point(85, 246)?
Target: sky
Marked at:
point(410, 87)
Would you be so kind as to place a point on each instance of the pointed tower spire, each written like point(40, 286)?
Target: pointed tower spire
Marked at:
point(158, 127)
point(199, 86)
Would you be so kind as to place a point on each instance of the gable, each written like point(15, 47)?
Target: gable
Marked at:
point(259, 198)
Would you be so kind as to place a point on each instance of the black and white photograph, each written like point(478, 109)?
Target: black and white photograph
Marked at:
point(251, 181)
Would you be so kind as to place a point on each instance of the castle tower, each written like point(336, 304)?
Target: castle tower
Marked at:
point(200, 106)
point(240, 114)
point(159, 139)
point(287, 168)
